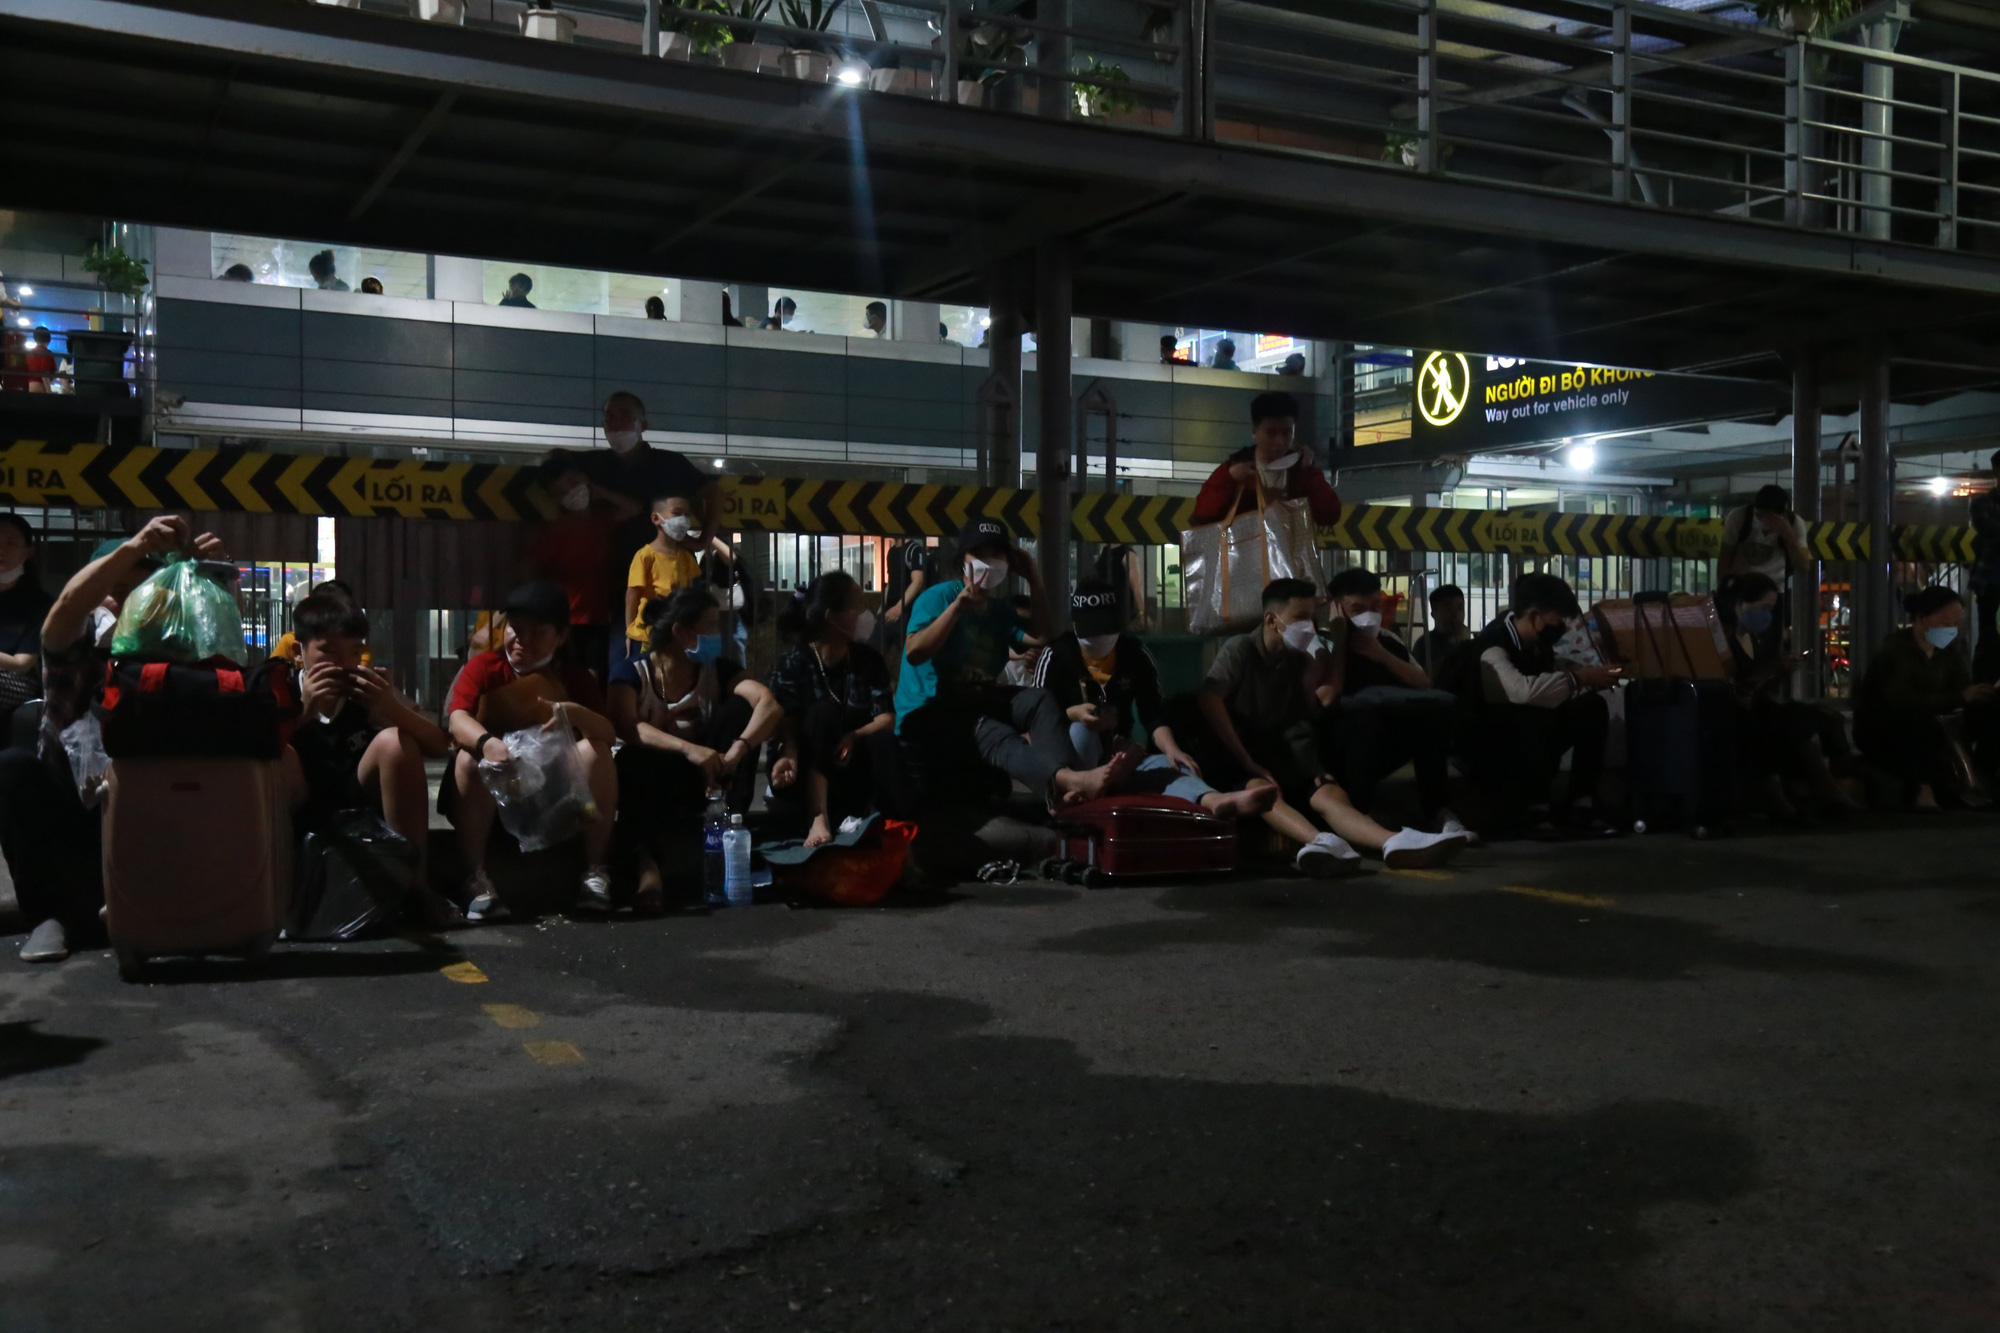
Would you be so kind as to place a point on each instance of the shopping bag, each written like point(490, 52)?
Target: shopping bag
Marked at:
point(355, 877)
point(182, 613)
point(541, 788)
point(1224, 566)
point(853, 870)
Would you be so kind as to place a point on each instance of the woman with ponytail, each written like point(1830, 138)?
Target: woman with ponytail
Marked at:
point(1918, 700)
point(691, 720)
point(839, 750)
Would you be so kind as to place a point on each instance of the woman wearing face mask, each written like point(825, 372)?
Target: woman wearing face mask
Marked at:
point(1918, 700)
point(1780, 740)
point(1274, 459)
point(838, 755)
point(950, 704)
point(23, 604)
point(691, 721)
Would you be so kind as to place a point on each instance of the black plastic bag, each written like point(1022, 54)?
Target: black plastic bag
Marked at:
point(355, 876)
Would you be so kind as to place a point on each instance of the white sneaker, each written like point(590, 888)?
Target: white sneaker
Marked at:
point(47, 943)
point(1327, 857)
point(596, 895)
point(1450, 826)
point(1413, 849)
point(485, 904)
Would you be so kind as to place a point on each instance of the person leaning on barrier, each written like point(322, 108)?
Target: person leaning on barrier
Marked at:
point(1778, 739)
point(1918, 708)
point(838, 755)
point(1105, 680)
point(52, 843)
point(691, 721)
point(529, 681)
point(1260, 708)
point(950, 703)
point(1523, 710)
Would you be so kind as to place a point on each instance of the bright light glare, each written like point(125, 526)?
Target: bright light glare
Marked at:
point(25, 322)
point(1940, 485)
point(27, 291)
point(1583, 457)
point(848, 77)
point(718, 462)
point(31, 344)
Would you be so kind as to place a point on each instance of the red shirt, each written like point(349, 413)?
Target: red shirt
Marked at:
point(486, 672)
point(1304, 480)
point(573, 551)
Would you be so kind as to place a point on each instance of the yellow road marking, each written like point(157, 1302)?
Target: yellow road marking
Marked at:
point(512, 1015)
point(552, 1052)
point(466, 972)
point(1556, 896)
point(1423, 874)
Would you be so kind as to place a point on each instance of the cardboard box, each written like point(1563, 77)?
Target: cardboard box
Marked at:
point(1680, 637)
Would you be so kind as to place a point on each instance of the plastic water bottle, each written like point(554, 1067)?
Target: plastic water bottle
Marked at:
point(736, 862)
point(714, 824)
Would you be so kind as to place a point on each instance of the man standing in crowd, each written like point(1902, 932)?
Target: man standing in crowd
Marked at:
point(628, 477)
point(1273, 457)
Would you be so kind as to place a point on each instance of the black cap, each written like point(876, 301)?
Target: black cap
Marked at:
point(540, 601)
point(1094, 608)
point(984, 532)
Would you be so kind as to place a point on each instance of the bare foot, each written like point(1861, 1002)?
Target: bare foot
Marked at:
point(1076, 788)
point(818, 834)
point(650, 897)
point(1240, 804)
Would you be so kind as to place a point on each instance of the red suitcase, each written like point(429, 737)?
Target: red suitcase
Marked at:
point(1124, 837)
point(197, 857)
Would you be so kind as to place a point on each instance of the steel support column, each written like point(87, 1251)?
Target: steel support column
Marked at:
point(1805, 503)
point(1052, 450)
point(1878, 125)
point(1873, 615)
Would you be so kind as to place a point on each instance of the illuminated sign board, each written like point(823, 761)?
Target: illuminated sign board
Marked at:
point(1464, 404)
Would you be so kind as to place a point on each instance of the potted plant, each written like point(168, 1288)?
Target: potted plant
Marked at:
point(747, 50)
point(1802, 17)
point(98, 353)
point(983, 43)
point(687, 36)
point(1112, 97)
point(439, 11)
point(542, 21)
point(810, 63)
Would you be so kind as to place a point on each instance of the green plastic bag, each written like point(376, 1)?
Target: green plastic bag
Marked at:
point(180, 614)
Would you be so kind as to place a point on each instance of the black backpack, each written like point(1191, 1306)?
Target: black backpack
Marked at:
point(213, 709)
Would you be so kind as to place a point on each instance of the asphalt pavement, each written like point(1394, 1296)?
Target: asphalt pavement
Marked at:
point(1655, 1084)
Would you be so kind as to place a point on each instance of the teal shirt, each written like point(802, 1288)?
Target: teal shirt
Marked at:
point(976, 650)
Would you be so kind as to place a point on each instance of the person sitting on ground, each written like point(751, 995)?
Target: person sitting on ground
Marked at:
point(24, 603)
point(1387, 711)
point(287, 646)
point(53, 844)
point(691, 721)
point(950, 704)
point(518, 288)
point(1918, 705)
point(1778, 739)
point(1260, 708)
point(361, 744)
point(1523, 710)
point(1105, 680)
point(838, 754)
point(1447, 633)
point(1274, 459)
point(528, 682)
point(671, 560)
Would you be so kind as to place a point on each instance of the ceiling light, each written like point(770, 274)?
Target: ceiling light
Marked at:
point(1583, 457)
point(718, 462)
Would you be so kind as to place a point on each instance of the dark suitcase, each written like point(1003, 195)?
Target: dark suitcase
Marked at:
point(1126, 837)
point(212, 709)
point(1680, 752)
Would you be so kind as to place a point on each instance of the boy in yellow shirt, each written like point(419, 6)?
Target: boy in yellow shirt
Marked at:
point(662, 565)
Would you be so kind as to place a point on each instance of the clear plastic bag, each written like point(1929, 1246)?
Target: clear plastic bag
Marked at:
point(180, 614)
point(83, 742)
point(542, 789)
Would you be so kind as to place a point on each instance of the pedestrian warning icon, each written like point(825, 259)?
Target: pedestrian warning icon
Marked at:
point(1443, 386)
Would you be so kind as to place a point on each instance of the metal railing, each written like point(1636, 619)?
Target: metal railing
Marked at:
point(1620, 100)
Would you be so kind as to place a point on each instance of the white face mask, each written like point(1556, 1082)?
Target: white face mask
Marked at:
point(622, 441)
point(985, 574)
point(576, 499)
point(533, 667)
point(1300, 636)
point(1275, 473)
point(1368, 622)
point(10, 577)
point(864, 625)
point(1099, 645)
point(678, 527)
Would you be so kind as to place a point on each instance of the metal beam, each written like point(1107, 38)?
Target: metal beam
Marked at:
point(412, 141)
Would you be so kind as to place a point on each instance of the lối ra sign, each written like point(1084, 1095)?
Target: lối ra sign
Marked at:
point(1465, 404)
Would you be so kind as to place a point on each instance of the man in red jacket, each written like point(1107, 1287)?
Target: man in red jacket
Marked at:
point(1287, 469)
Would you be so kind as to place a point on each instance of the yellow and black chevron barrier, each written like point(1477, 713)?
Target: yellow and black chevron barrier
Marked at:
point(95, 476)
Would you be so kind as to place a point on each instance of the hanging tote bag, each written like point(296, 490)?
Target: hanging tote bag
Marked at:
point(1224, 566)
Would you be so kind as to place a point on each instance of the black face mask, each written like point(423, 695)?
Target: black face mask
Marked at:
point(1550, 635)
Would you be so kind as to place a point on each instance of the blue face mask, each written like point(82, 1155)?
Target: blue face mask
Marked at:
point(1754, 619)
point(1940, 636)
point(707, 647)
